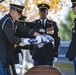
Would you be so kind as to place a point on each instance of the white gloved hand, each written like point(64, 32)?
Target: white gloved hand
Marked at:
point(40, 45)
point(38, 39)
point(55, 59)
point(21, 44)
point(26, 41)
point(42, 30)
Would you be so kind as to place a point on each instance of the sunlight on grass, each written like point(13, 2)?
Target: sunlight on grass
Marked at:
point(65, 66)
point(66, 69)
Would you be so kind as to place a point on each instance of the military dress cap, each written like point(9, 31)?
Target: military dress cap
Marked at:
point(16, 7)
point(1, 1)
point(43, 7)
point(73, 3)
point(22, 17)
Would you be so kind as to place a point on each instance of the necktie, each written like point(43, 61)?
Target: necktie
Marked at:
point(43, 22)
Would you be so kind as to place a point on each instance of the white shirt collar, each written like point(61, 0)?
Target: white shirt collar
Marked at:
point(44, 21)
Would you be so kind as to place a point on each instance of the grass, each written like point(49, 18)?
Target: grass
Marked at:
point(66, 69)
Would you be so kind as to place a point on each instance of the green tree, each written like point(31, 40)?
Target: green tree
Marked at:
point(66, 28)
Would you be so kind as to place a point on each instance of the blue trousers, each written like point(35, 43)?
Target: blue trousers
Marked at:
point(4, 70)
point(74, 61)
point(36, 63)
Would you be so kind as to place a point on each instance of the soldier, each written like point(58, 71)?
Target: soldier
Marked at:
point(71, 53)
point(9, 41)
point(46, 54)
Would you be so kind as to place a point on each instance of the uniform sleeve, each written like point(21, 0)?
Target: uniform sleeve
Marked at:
point(56, 40)
point(8, 29)
point(26, 30)
point(30, 25)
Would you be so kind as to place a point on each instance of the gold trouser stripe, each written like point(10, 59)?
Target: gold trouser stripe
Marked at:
point(11, 71)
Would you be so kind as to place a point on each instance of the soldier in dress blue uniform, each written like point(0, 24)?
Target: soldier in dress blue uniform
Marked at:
point(9, 41)
point(46, 54)
point(71, 53)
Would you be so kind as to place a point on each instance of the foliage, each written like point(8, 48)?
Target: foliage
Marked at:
point(66, 28)
point(31, 10)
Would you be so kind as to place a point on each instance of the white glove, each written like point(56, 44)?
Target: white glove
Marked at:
point(26, 41)
point(42, 30)
point(21, 44)
point(55, 59)
point(38, 39)
point(40, 45)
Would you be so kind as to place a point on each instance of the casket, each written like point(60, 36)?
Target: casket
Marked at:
point(43, 70)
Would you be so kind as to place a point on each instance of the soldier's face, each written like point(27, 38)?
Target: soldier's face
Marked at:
point(15, 15)
point(74, 9)
point(43, 14)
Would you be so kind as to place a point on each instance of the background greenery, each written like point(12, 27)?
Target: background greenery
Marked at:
point(66, 27)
